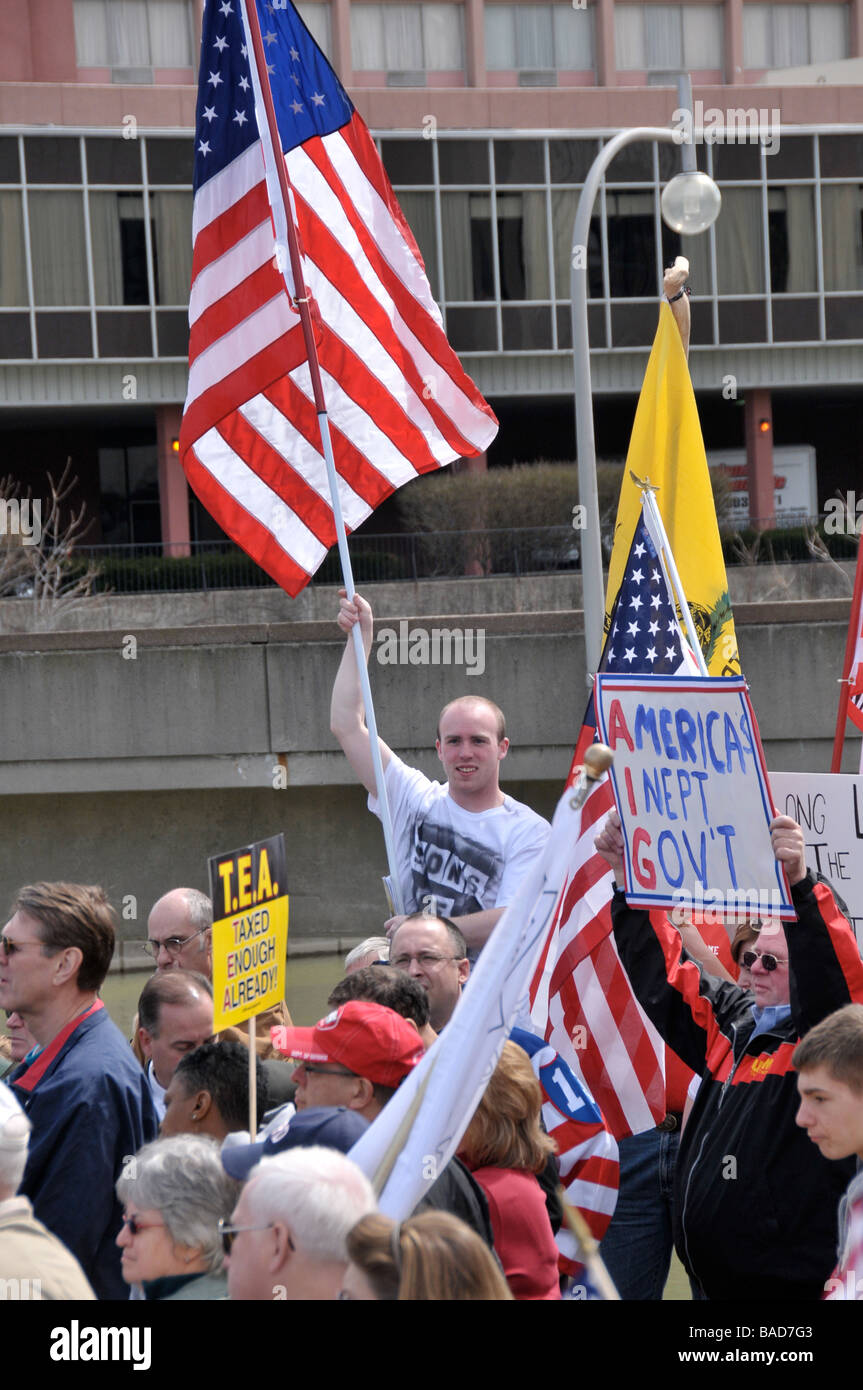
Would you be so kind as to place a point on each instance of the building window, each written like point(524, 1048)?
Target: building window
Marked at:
point(129, 490)
point(538, 41)
point(788, 36)
point(407, 41)
point(317, 20)
point(522, 245)
point(663, 38)
point(134, 36)
point(13, 266)
point(842, 232)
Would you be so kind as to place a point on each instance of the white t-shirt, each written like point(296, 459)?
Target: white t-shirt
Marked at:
point(467, 860)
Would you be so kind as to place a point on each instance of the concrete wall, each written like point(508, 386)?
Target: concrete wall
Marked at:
point(132, 770)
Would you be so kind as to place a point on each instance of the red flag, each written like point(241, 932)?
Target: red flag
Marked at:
point(851, 689)
point(398, 400)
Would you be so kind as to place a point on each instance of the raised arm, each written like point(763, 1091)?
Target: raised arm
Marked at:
point(347, 720)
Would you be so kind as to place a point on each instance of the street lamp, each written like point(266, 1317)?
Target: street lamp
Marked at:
point(690, 203)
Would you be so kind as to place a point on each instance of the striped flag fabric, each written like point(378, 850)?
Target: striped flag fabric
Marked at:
point(851, 686)
point(586, 1150)
point(398, 400)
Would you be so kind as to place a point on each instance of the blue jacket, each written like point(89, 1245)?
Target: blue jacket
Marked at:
point(89, 1110)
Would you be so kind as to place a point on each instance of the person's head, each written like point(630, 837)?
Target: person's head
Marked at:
point(175, 1015)
point(829, 1060)
point(471, 744)
point(55, 951)
point(505, 1131)
point(174, 1194)
point(767, 963)
point(326, 1127)
point(14, 1139)
point(289, 1229)
point(355, 1057)
point(433, 951)
point(745, 937)
point(180, 929)
point(395, 989)
point(20, 1038)
point(429, 1256)
point(209, 1091)
point(374, 948)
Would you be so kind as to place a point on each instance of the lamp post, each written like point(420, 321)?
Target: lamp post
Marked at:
point(690, 204)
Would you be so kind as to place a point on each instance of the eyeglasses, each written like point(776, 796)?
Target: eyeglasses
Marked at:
point(426, 960)
point(227, 1233)
point(135, 1226)
point(10, 947)
point(312, 1069)
point(172, 944)
point(770, 962)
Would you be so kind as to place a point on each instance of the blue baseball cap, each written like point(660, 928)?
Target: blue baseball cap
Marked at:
point(331, 1126)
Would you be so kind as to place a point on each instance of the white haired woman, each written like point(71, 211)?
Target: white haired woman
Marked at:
point(174, 1193)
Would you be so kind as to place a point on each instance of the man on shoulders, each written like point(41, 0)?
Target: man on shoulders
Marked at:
point(85, 1095)
point(463, 846)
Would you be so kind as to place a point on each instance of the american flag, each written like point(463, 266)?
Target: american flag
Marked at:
point(586, 1150)
point(581, 1000)
point(398, 400)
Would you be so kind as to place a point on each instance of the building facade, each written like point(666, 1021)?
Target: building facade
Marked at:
point(488, 117)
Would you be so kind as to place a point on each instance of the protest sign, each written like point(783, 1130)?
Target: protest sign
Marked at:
point(829, 808)
point(691, 788)
point(250, 932)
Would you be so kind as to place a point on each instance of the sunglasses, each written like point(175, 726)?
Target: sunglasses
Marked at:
point(135, 1226)
point(748, 958)
point(229, 1232)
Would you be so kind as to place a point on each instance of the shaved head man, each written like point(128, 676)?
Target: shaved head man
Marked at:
point(432, 951)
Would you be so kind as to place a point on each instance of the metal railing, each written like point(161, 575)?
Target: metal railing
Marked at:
point(412, 556)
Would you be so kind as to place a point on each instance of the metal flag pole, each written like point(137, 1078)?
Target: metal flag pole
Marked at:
point(656, 529)
point(290, 264)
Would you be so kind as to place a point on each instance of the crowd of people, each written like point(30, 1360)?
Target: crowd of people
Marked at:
point(127, 1168)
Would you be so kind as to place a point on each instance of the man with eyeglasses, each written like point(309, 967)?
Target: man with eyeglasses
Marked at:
point(84, 1094)
point(433, 952)
point(754, 1206)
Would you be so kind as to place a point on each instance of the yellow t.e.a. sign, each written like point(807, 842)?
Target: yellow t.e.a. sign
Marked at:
point(250, 931)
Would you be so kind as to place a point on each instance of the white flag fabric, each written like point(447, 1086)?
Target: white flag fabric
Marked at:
point(424, 1121)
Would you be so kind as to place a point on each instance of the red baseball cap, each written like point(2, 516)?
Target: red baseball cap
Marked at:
point(369, 1039)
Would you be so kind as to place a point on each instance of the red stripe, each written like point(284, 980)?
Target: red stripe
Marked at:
point(30, 1079)
point(231, 226)
point(231, 391)
point(233, 308)
point(351, 463)
point(246, 530)
point(270, 466)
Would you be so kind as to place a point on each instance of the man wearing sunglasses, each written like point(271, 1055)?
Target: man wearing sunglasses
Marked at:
point(754, 1204)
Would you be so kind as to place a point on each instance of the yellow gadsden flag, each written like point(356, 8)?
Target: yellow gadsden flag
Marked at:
point(667, 448)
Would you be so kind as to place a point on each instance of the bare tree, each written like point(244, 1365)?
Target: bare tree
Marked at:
point(41, 568)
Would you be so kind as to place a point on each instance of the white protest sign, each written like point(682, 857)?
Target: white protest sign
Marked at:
point(829, 808)
point(691, 789)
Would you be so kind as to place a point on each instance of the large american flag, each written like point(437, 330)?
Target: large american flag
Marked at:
point(581, 1000)
point(398, 400)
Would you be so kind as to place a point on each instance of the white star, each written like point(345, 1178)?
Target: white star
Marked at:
point(244, 83)
point(270, 37)
point(611, 654)
point(240, 118)
point(651, 653)
point(204, 148)
point(296, 106)
point(317, 99)
point(637, 576)
point(294, 78)
point(226, 8)
point(638, 551)
point(295, 55)
point(671, 652)
point(633, 629)
point(629, 654)
point(244, 50)
point(614, 630)
point(214, 80)
point(655, 576)
point(271, 68)
point(653, 628)
point(209, 113)
point(672, 626)
point(221, 44)
point(635, 602)
point(656, 601)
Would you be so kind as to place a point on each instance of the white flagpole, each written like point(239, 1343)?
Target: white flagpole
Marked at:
point(656, 530)
point(289, 262)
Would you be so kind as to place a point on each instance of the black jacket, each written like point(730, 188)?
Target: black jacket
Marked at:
point(755, 1203)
